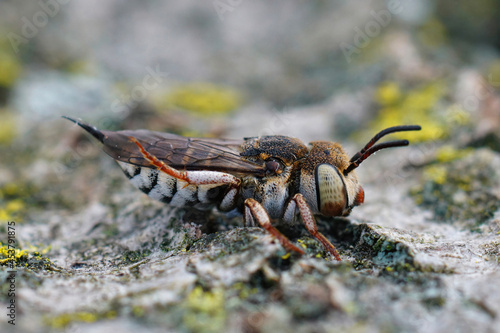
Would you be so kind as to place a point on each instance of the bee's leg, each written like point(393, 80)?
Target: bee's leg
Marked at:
point(229, 200)
point(310, 223)
point(249, 220)
point(290, 212)
point(254, 209)
point(190, 177)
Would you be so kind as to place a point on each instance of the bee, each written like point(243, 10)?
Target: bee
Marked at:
point(265, 178)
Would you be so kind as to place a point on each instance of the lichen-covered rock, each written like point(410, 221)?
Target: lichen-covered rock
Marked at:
point(464, 191)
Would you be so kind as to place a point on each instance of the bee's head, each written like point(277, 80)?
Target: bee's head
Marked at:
point(328, 191)
point(328, 181)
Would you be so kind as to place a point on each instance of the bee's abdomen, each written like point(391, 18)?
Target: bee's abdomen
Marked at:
point(167, 189)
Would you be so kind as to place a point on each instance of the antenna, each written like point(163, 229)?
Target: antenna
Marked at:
point(370, 149)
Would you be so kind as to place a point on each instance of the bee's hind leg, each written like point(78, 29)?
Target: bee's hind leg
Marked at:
point(255, 211)
point(190, 177)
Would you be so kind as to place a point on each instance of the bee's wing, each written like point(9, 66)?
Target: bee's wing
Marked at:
point(180, 152)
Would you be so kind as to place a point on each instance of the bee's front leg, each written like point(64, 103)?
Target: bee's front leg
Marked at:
point(310, 223)
point(255, 211)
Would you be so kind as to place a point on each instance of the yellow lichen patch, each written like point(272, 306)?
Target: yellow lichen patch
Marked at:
point(201, 98)
point(388, 93)
point(10, 69)
point(436, 174)
point(11, 189)
point(456, 115)
point(417, 106)
point(5, 216)
point(14, 205)
point(30, 257)
point(34, 249)
point(63, 320)
point(461, 188)
point(243, 290)
point(8, 127)
point(205, 310)
point(301, 242)
point(449, 153)
point(11, 211)
point(11, 256)
point(138, 311)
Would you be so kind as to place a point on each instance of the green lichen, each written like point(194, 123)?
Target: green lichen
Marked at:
point(130, 257)
point(378, 249)
point(432, 33)
point(223, 245)
point(111, 230)
point(460, 187)
point(201, 98)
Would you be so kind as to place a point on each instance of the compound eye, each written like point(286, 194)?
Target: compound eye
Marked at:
point(331, 191)
point(273, 166)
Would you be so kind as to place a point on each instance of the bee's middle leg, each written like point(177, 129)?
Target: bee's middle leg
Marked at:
point(255, 211)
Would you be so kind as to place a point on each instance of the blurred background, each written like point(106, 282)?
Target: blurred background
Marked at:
point(229, 67)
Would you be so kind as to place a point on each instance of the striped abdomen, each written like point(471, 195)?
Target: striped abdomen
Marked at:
point(164, 188)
